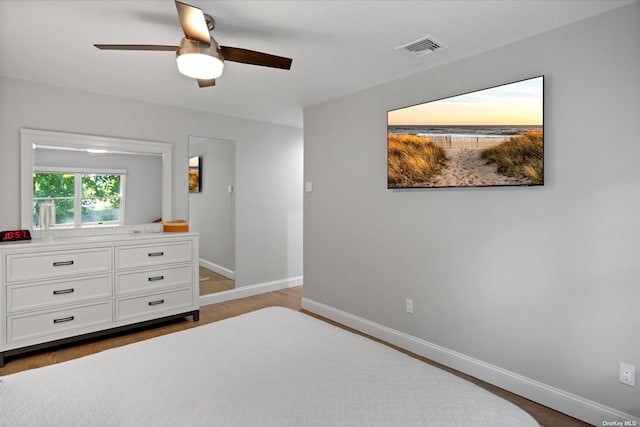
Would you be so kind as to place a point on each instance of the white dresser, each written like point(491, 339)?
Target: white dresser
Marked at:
point(70, 288)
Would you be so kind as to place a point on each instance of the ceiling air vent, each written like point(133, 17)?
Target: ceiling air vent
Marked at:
point(422, 46)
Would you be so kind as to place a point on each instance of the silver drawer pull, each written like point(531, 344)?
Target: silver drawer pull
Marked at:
point(155, 279)
point(62, 263)
point(156, 253)
point(64, 319)
point(160, 301)
point(63, 291)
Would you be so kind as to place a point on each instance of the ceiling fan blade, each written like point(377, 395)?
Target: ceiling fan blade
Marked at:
point(136, 47)
point(252, 57)
point(206, 82)
point(193, 23)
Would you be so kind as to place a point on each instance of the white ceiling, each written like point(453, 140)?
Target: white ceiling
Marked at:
point(338, 47)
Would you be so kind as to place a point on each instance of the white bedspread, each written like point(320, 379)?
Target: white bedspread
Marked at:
point(272, 367)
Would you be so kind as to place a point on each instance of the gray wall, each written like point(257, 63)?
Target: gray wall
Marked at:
point(268, 176)
point(540, 281)
point(212, 210)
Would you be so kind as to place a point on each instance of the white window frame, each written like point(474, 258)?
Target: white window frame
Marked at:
point(77, 198)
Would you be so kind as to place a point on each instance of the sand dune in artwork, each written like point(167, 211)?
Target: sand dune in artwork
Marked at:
point(416, 161)
point(465, 167)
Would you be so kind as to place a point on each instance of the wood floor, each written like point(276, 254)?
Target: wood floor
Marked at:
point(212, 282)
point(290, 298)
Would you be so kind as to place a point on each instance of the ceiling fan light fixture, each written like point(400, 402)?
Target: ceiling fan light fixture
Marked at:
point(199, 61)
point(199, 66)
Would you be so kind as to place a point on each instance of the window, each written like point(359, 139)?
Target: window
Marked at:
point(81, 197)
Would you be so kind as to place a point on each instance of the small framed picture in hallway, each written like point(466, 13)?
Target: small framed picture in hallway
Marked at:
point(195, 175)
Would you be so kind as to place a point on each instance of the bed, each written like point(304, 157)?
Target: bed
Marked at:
point(271, 367)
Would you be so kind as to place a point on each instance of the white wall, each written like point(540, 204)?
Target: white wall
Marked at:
point(542, 282)
point(268, 168)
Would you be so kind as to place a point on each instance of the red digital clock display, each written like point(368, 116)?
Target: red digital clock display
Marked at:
point(14, 235)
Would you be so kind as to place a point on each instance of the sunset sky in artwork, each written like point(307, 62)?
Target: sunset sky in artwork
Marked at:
point(518, 103)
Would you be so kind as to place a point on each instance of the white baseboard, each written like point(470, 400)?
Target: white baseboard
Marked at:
point(229, 274)
point(250, 290)
point(562, 401)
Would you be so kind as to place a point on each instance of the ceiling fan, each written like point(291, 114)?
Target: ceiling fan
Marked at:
point(199, 56)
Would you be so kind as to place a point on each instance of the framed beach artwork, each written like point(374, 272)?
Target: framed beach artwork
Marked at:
point(489, 137)
point(195, 176)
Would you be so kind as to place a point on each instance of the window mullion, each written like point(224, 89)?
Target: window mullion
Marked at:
point(77, 200)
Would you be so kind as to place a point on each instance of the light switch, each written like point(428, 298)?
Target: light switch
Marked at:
point(308, 187)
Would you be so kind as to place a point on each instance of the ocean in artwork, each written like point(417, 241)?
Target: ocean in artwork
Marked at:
point(462, 131)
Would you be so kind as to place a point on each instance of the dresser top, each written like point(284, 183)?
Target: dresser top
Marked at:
point(125, 238)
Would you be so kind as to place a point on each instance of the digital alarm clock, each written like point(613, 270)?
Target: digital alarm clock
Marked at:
point(14, 235)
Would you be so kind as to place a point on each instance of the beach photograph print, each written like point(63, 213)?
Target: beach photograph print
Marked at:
point(491, 137)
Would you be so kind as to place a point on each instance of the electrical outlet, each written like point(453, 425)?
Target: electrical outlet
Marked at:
point(408, 305)
point(627, 374)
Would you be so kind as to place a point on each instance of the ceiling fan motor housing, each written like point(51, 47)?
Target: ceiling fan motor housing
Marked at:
point(199, 61)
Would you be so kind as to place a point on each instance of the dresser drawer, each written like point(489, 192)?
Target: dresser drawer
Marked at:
point(171, 302)
point(59, 323)
point(48, 294)
point(150, 279)
point(45, 265)
point(150, 255)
